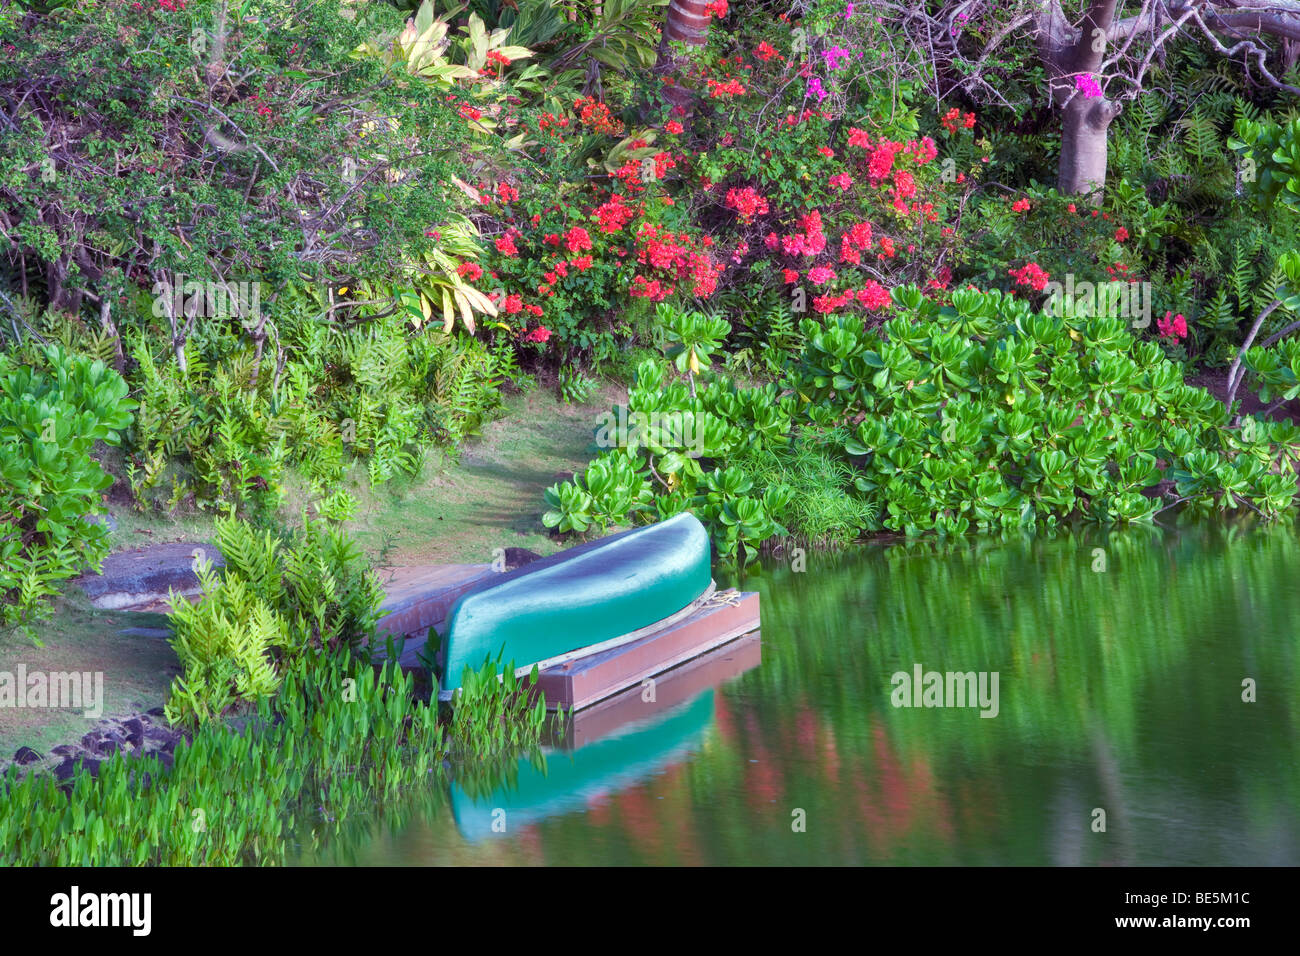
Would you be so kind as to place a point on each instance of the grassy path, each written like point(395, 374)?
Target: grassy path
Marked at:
point(459, 511)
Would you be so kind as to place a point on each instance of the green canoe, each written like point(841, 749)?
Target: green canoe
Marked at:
point(590, 595)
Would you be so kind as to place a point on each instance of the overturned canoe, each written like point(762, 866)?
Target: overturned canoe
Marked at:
point(584, 598)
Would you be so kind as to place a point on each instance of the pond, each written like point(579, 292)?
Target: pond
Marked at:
point(1121, 731)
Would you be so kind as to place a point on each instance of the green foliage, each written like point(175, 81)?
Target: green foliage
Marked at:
point(979, 415)
point(985, 415)
point(495, 712)
point(341, 739)
point(376, 392)
point(574, 387)
point(274, 603)
point(49, 483)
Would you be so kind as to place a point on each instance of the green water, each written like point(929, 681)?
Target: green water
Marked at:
point(1118, 690)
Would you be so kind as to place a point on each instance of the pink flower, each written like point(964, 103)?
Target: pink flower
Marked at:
point(819, 275)
point(1086, 85)
point(1175, 328)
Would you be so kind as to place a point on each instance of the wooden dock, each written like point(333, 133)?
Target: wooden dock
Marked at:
point(421, 597)
point(674, 687)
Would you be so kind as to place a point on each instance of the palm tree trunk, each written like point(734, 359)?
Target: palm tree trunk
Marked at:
point(687, 22)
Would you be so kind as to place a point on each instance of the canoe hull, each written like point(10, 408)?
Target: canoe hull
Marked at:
point(578, 598)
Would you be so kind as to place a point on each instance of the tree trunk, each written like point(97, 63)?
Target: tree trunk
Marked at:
point(1070, 53)
point(1085, 128)
point(685, 22)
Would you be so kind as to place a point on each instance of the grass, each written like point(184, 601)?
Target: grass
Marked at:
point(490, 496)
point(78, 637)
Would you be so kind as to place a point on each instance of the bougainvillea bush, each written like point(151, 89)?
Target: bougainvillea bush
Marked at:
point(748, 194)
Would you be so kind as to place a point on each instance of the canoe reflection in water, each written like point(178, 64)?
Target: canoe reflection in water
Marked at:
point(608, 746)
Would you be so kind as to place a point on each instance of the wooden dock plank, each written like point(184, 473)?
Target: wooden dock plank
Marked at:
point(419, 598)
point(582, 682)
point(672, 688)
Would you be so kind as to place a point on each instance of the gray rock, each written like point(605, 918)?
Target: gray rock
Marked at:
point(65, 771)
point(134, 730)
point(143, 578)
point(518, 557)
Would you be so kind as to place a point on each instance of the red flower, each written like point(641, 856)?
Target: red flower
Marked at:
point(470, 271)
point(1020, 205)
point(1172, 329)
point(1031, 274)
point(577, 239)
point(747, 202)
point(673, 127)
point(1121, 234)
point(874, 296)
point(539, 334)
point(506, 246)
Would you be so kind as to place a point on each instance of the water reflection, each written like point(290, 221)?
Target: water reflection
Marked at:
point(606, 748)
point(1121, 691)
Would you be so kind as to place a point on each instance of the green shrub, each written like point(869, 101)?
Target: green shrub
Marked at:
point(49, 483)
point(276, 602)
point(979, 415)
